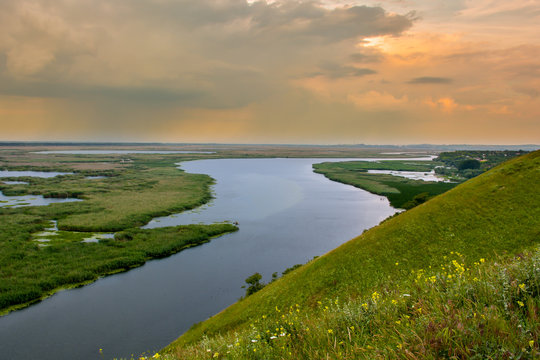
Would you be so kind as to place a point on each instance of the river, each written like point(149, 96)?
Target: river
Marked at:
point(287, 214)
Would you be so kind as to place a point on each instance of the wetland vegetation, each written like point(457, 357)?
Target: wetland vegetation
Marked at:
point(124, 197)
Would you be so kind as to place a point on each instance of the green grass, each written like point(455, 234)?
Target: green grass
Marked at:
point(400, 191)
point(494, 214)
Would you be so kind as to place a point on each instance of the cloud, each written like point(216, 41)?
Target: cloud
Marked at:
point(430, 80)
point(336, 71)
point(168, 68)
point(377, 100)
point(367, 56)
point(203, 53)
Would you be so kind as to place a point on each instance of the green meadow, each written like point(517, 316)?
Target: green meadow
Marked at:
point(427, 283)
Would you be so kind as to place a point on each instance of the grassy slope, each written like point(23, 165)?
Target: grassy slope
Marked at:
point(459, 310)
point(494, 213)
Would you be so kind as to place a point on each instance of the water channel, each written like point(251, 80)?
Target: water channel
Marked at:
point(287, 214)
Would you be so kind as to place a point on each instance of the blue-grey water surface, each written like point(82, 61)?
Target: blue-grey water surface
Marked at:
point(287, 215)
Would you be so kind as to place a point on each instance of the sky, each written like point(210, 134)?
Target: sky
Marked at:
point(285, 71)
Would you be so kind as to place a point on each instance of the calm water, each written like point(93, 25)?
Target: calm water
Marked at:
point(287, 215)
point(415, 175)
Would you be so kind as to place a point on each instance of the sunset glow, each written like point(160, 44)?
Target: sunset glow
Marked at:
point(413, 71)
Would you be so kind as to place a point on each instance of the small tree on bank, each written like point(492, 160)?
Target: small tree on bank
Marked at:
point(254, 282)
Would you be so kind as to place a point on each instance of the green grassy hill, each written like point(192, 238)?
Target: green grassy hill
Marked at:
point(495, 214)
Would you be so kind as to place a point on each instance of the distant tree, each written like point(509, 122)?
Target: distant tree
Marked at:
point(416, 200)
point(469, 164)
point(254, 284)
point(288, 270)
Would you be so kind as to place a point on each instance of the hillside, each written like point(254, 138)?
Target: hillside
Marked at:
point(494, 214)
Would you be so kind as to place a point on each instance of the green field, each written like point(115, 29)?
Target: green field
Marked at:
point(494, 215)
point(401, 192)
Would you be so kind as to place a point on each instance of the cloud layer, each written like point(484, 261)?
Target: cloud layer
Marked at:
point(282, 71)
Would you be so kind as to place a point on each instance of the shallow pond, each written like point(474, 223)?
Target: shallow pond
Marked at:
point(287, 214)
point(30, 200)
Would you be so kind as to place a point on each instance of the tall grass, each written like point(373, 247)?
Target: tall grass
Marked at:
point(456, 310)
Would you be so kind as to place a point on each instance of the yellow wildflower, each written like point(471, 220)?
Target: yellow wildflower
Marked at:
point(522, 286)
point(330, 331)
point(531, 343)
point(156, 356)
point(520, 303)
